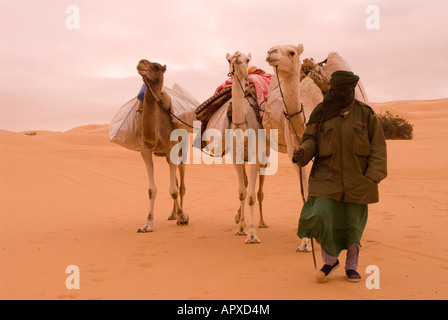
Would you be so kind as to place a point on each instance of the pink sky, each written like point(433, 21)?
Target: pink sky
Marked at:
point(53, 78)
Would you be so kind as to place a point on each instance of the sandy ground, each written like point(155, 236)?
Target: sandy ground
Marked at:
point(74, 198)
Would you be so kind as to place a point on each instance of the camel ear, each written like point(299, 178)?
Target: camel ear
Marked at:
point(228, 56)
point(249, 56)
point(300, 49)
point(164, 68)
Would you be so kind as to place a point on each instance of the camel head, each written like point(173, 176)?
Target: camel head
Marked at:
point(285, 58)
point(238, 64)
point(151, 72)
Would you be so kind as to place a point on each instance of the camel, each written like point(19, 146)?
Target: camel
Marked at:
point(244, 118)
point(156, 127)
point(285, 60)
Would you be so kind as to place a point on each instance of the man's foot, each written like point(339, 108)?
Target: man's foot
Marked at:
point(353, 276)
point(322, 275)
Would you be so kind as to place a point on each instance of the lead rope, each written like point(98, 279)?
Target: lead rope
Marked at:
point(288, 117)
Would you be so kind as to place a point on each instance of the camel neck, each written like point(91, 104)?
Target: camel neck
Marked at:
point(238, 99)
point(290, 88)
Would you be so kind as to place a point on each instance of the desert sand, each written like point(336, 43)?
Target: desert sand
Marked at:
point(75, 198)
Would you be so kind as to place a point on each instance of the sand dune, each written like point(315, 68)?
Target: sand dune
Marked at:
point(74, 198)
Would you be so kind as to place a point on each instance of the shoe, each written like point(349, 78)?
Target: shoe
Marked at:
point(322, 275)
point(353, 276)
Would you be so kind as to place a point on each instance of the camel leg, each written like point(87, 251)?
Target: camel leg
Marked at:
point(305, 246)
point(254, 172)
point(182, 190)
point(152, 190)
point(246, 183)
point(242, 193)
point(260, 196)
point(173, 215)
point(182, 216)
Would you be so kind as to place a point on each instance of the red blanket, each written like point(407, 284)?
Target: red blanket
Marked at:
point(260, 79)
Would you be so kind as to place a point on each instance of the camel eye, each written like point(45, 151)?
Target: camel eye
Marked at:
point(292, 53)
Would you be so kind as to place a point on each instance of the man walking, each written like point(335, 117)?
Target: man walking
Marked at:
point(347, 142)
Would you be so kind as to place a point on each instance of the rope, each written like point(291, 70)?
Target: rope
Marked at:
point(287, 115)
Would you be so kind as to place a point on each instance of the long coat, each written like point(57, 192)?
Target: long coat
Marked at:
point(350, 155)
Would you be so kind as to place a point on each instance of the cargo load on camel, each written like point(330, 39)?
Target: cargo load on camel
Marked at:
point(215, 112)
point(124, 127)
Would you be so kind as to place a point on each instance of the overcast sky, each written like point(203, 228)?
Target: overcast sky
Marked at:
point(53, 77)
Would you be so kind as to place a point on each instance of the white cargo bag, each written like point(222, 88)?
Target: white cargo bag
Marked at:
point(310, 95)
point(123, 129)
point(183, 107)
point(336, 62)
point(220, 122)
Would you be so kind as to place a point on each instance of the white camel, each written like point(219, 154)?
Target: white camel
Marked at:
point(285, 60)
point(244, 118)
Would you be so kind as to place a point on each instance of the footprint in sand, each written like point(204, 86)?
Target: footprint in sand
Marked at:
point(146, 265)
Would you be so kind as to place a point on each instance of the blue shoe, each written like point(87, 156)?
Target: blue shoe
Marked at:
point(353, 276)
point(324, 273)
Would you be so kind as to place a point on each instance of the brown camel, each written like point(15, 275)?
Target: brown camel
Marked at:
point(156, 127)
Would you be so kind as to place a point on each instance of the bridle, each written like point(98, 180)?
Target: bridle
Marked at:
point(231, 74)
point(286, 113)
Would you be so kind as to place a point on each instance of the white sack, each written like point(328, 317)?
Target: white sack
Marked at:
point(218, 121)
point(336, 62)
point(310, 95)
point(124, 127)
point(183, 106)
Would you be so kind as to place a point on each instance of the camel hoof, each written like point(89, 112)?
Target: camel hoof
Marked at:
point(240, 232)
point(183, 219)
point(305, 246)
point(252, 239)
point(172, 217)
point(262, 225)
point(145, 229)
point(241, 228)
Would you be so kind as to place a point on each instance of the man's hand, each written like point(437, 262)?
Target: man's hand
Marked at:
point(298, 155)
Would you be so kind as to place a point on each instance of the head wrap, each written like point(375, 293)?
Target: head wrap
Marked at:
point(343, 79)
point(332, 104)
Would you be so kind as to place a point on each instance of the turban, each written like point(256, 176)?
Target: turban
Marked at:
point(343, 79)
point(333, 104)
